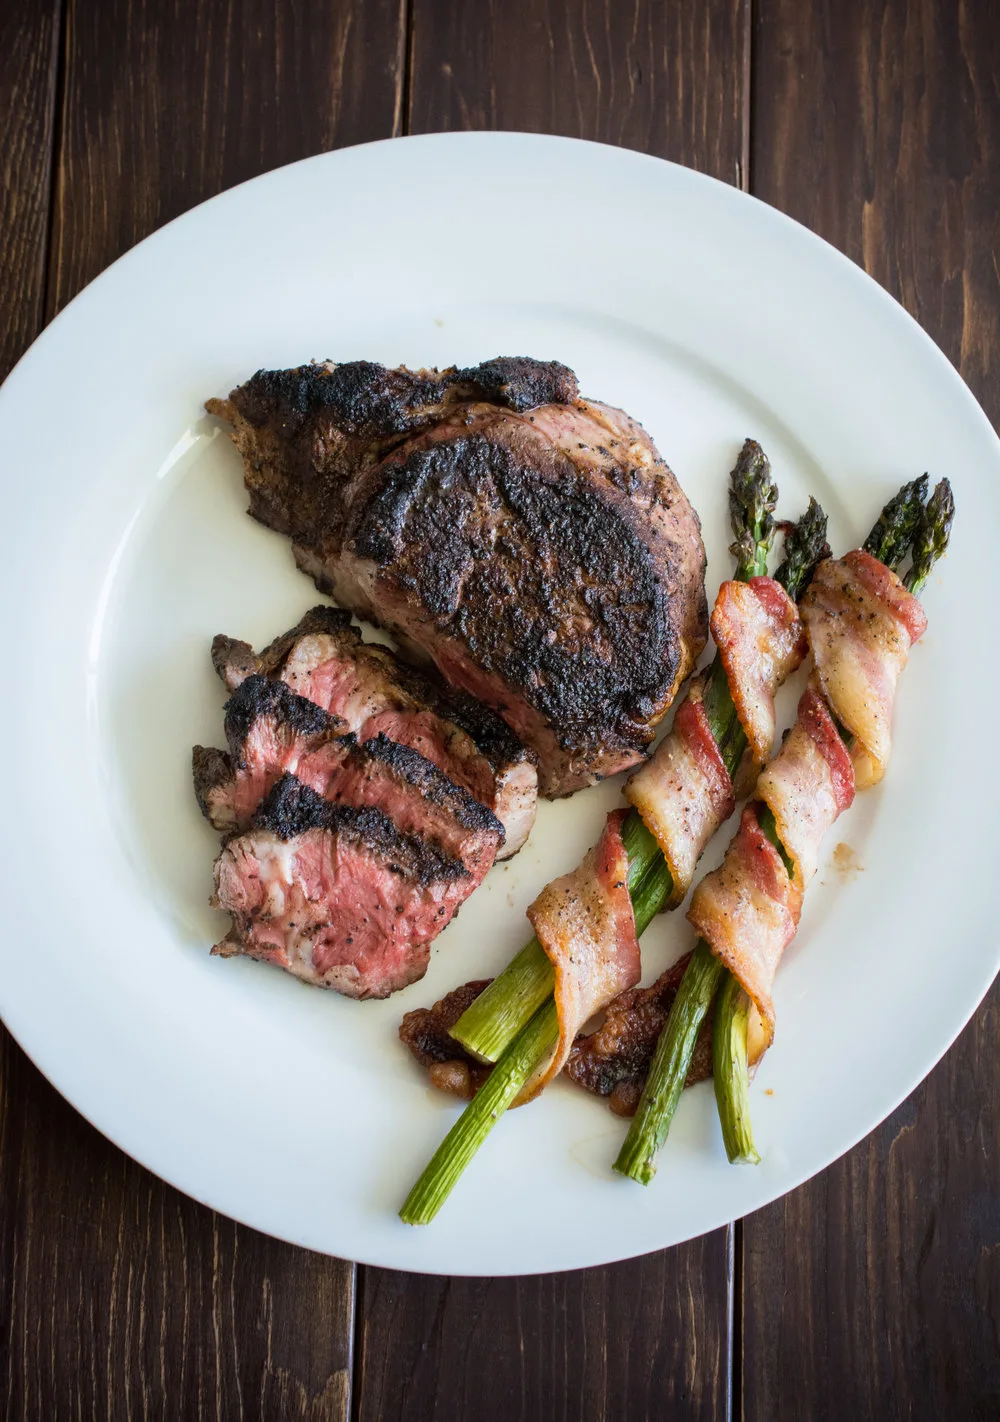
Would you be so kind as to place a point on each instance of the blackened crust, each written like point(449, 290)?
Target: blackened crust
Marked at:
point(506, 559)
point(519, 383)
point(259, 696)
point(369, 400)
point(322, 620)
point(232, 659)
point(291, 808)
point(491, 735)
point(212, 768)
point(432, 784)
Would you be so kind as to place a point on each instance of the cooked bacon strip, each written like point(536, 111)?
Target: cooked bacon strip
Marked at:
point(861, 623)
point(748, 909)
point(757, 630)
point(585, 923)
point(808, 784)
point(684, 792)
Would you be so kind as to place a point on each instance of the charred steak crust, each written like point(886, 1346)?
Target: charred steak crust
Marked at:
point(234, 661)
point(432, 784)
point(368, 399)
point(554, 551)
point(291, 809)
point(532, 544)
point(258, 696)
point(212, 768)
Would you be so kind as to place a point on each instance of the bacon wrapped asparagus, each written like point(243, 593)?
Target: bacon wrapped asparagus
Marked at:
point(587, 923)
point(861, 621)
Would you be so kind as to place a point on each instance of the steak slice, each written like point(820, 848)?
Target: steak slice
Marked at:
point(530, 543)
point(371, 693)
point(335, 894)
point(273, 732)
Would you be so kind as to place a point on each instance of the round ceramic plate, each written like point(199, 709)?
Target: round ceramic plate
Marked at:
point(126, 547)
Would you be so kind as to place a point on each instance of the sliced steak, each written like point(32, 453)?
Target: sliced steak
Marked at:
point(272, 732)
point(371, 693)
point(335, 894)
point(269, 730)
point(532, 544)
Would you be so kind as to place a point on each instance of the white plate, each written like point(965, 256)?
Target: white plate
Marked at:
point(708, 316)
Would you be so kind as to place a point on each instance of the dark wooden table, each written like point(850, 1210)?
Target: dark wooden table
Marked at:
point(871, 1292)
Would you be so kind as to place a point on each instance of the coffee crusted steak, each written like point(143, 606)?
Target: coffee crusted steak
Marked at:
point(272, 732)
point(335, 894)
point(532, 544)
point(370, 692)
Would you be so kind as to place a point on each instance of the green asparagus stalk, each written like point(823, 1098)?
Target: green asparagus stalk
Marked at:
point(502, 1085)
point(902, 524)
point(731, 1072)
point(536, 1037)
point(493, 1021)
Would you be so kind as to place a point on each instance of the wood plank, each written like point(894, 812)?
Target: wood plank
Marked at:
point(647, 1338)
point(119, 1297)
point(874, 1291)
point(170, 103)
point(29, 51)
point(667, 79)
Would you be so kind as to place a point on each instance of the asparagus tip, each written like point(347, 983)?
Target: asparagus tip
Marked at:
point(753, 495)
point(805, 548)
point(931, 537)
point(896, 526)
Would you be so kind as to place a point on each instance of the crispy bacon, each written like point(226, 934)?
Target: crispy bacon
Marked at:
point(757, 630)
point(585, 923)
point(861, 623)
point(748, 909)
point(684, 792)
point(808, 784)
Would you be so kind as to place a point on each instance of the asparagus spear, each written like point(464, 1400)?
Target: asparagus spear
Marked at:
point(929, 532)
point(537, 1037)
point(903, 523)
point(491, 1023)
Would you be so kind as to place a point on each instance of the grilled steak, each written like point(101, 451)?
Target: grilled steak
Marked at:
point(343, 859)
point(337, 895)
point(530, 543)
point(272, 732)
point(371, 693)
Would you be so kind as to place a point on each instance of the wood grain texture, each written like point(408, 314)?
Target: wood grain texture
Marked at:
point(667, 79)
point(874, 1291)
point(648, 1338)
point(119, 1297)
point(170, 101)
point(123, 1298)
point(29, 49)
